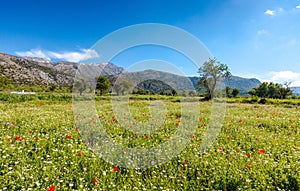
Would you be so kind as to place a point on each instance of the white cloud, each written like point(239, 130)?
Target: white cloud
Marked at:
point(33, 53)
point(274, 12)
point(270, 12)
point(298, 6)
point(285, 76)
point(83, 54)
point(277, 77)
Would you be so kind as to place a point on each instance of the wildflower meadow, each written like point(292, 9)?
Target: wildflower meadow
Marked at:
point(257, 148)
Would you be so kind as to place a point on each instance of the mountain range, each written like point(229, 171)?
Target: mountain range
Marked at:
point(40, 71)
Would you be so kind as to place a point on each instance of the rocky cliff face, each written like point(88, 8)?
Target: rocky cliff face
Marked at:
point(38, 71)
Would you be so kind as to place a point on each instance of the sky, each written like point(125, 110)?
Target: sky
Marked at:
point(257, 38)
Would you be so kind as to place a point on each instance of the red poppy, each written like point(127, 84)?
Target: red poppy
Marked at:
point(79, 154)
point(262, 151)
point(37, 139)
point(248, 166)
point(292, 126)
point(248, 154)
point(193, 136)
point(23, 139)
point(220, 149)
point(146, 136)
point(126, 149)
point(199, 126)
point(241, 121)
point(9, 139)
point(51, 188)
point(184, 163)
point(17, 138)
point(116, 168)
point(95, 180)
point(69, 137)
point(237, 151)
point(228, 138)
point(30, 131)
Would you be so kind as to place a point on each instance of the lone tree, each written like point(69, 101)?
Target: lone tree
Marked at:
point(102, 84)
point(235, 92)
point(122, 85)
point(227, 91)
point(80, 85)
point(210, 73)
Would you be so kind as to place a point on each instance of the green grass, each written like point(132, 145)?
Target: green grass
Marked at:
point(40, 146)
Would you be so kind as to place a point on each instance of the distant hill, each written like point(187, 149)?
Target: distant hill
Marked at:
point(158, 81)
point(243, 84)
point(296, 90)
point(40, 71)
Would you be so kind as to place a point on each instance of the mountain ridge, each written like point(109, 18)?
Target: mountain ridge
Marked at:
point(41, 71)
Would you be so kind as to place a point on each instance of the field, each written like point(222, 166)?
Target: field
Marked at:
point(41, 147)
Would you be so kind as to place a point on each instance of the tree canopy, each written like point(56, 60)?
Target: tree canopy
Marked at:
point(80, 85)
point(122, 85)
point(102, 84)
point(210, 73)
point(271, 90)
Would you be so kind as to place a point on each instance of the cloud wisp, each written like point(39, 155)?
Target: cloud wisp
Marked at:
point(286, 76)
point(33, 53)
point(282, 76)
point(83, 54)
point(262, 32)
point(274, 11)
point(270, 12)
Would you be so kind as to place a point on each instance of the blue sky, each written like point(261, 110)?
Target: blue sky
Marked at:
point(257, 38)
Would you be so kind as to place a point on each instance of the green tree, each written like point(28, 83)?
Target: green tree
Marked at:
point(210, 73)
point(174, 92)
point(286, 90)
point(235, 92)
point(227, 90)
point(271, 90)
point(102, 84)
point(121, 86)
point(192, 93)
point(80, 85)
point(4, 83)
point(260, 91)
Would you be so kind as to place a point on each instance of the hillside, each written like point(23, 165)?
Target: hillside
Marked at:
point(243, 84)
point(189, 83)
point(38, 71)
